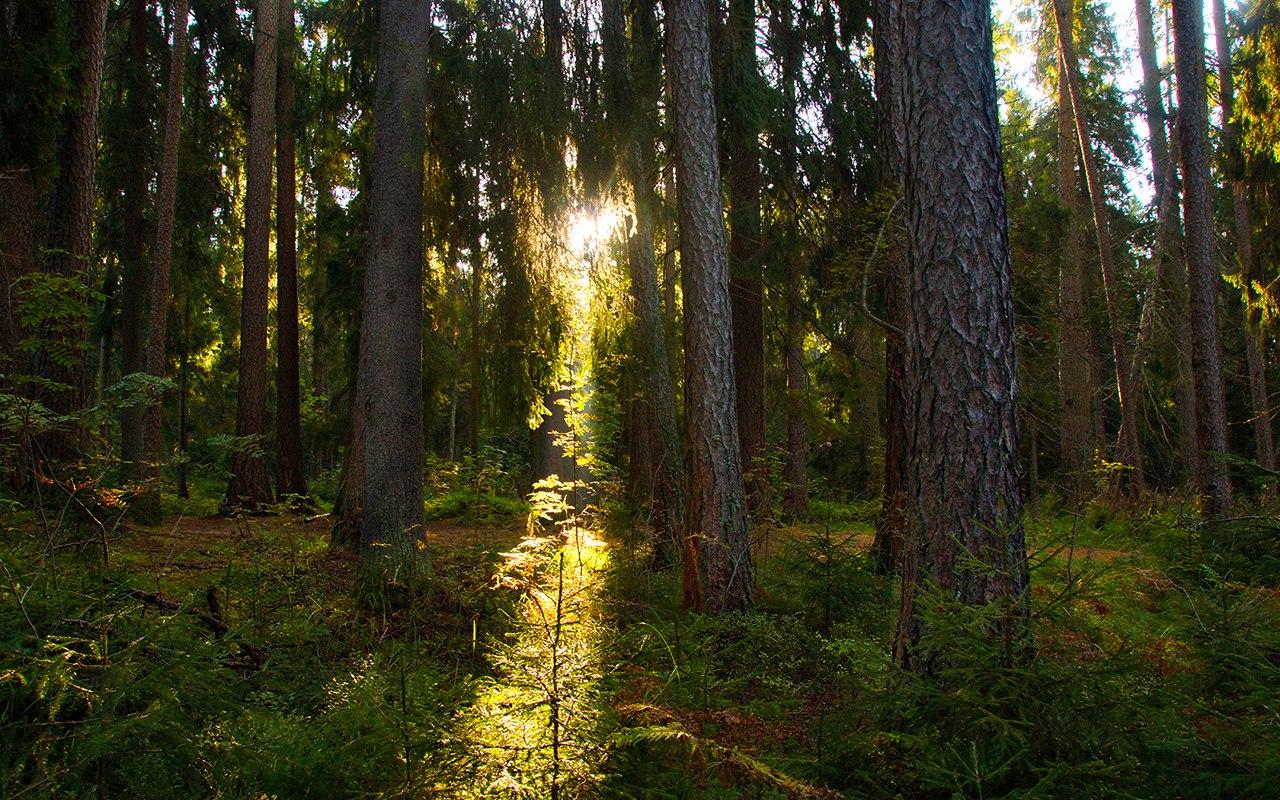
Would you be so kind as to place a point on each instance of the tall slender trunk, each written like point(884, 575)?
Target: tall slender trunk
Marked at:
point(891, 524)
point(1130, 452)
point(249, 487)
point(1202, 277)
point(70, 228)
point(184, 370)
point(795, 497)
point(133, 264)
point(162, 253)
point(291, 476)
point(1242, 233)
point(1163, 164)
point(746, 290)
point(1074, 367)
point(717, 504)
point(390, 384)
point(965, 480)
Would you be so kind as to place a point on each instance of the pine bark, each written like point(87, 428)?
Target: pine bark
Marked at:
point(133, 264)
point(1202, 277)
point(1075, 371)
point(162, 252)
point(717, 505)
point(965, 482)
point(249, 487)
point(291, 478)
point(390, 384)
point(1130, 450)
point(891, 134)
point(1242, 235)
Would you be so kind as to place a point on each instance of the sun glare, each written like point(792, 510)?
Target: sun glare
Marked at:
point(589, 229)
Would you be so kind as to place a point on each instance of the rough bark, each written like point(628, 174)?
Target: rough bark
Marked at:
point(717, 505)
point(1242, 235)
point(162, 252)
point(965, 480)
point(746, 289)
point(391, 330)
point(134, 269)
point(1074, 368)
point(1202, 277)
point(291, 478)
point(249, 487)
point(1130, 449)
point(891, 524)
point(69, 239)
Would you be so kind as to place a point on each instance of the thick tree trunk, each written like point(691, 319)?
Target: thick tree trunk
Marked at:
point(1075, 372)
point(1202, 277)
point(891, 525)
point(162, 253)
point(291, 478)
point(965, 480)
point(1130, 452)
point(390, 385)
point(742, 133)
point(717, 505)
point(70, 229)
point(1242, 230)
point(133, 264)
point(249, 487)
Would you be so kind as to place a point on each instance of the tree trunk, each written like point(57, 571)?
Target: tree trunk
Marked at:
point(965, 482)
point(717, 505)
point(891, 134)
point(1130, 452)
point(348, 506)
point(249, 487)
point(133, 264)
point(291, 478)
point(390, 385)
point(1074, 368)
point(162, 253)
point(70, 230)
point(742, 134)
point(1242, 231)
point(1202, 278)
point(795, 497)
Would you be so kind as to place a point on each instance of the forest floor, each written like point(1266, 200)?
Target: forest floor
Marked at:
point(225, 658)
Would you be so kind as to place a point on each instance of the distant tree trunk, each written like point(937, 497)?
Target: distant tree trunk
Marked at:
point(70, 229)
point(795, 497)
point(1255, 357)
point(348, 506)
point(1175, 276)
point(965, 482)
point(742, 132)
point(1202, 277)
point(249, 487)
point(133, 264)
point(291, 477)
point(18, 201)
point(717, 505)
point(162, 253)
point(633, 104)
point(184, 369)
point(475, 366)
point(1130, 452)
point(1075, 371)
point(390, 384)
point(891, 134)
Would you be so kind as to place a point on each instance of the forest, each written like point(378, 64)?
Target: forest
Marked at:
point(639, 399)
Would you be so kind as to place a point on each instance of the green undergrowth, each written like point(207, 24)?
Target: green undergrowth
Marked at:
point(1157, 674)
